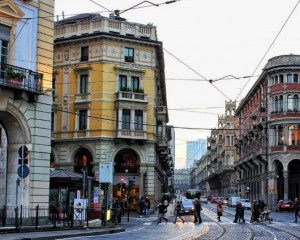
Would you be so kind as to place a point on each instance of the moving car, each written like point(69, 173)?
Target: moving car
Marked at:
point(285, 205)
point(188, 206)
point(246, 203)
point(203, 199)
point(225, 201)
point(233, 201)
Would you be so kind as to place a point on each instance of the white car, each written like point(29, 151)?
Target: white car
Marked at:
point(246, 203)
point(203, 199)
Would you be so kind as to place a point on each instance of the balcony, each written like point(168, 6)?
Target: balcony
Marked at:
point(131, 96)
point(131, 134)
point(23, 79)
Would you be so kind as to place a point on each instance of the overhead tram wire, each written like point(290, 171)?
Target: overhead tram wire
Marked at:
point(210, 81)
point(269, 48)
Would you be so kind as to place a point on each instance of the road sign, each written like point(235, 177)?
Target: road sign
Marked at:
point(23, 171)
point(122, 179)
point(23, 151)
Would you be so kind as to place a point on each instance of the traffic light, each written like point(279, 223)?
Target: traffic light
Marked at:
point(131, 184)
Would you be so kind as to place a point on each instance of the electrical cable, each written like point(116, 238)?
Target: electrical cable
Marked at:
point(269, 48)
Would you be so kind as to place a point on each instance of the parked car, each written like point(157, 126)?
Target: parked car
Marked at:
point(285, 205)
point(188, 206)
point(203, 199)
point(214, 200)
point(233, 201)
point(246, 203)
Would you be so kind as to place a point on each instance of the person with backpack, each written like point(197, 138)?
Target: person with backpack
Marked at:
point(219, 211)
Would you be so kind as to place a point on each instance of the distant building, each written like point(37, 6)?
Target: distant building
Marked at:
point(194, 151)
point(181, 180)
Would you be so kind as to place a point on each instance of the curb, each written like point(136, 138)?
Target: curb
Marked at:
point(71, 235)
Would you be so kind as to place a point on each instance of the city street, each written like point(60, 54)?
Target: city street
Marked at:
point(282, 228)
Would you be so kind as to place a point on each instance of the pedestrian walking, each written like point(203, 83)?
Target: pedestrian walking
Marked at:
point(219, 211)
point(261, 205)
point(198, 209)
point(141, 205)
point(296, 208)
point(162, 209)
point(123, 205)
point(178, 211)
point(147, 206)
point(255, 212)
point(241, 214)
point(237, 211)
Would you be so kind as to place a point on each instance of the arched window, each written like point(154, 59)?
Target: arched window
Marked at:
point(290, 103)
point(280, 103)
point(292, 139)
point(296, 103)
point(276, 106)
point(83, 158)
point(298, 134)
point(280, 136)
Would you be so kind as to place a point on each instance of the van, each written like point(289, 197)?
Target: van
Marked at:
point(233, 201)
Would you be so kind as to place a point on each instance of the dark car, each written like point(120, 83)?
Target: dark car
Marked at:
point(188, 206)
point(285, 205)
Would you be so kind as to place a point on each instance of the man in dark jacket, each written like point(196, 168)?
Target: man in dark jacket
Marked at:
point(296, 208)
point(178, 212)
point(141, 205)
point(237, 211)
point(162, 209)
point(198, 208)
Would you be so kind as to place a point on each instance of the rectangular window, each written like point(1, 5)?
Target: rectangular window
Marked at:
point(83, 83)
point(280, 78)
point(276, 79)
point(125, 119)
point(82, 119)
point(123, 83)
point(227, 141)
point(138, 120)
point(84, 54)
point(220, 137)
point(52, 122)
point(129, 54)
point(159, 129)
point(289, 78)
point(295, 78)
point(135, 84)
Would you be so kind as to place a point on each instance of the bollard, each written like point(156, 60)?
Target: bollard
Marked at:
point(4, 215)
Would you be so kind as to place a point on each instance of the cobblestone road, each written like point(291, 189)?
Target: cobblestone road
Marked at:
point(282, 228)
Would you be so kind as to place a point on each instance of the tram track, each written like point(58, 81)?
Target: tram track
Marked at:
point(262, 226)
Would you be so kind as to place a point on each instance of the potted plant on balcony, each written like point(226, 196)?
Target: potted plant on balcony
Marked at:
point(14, 78)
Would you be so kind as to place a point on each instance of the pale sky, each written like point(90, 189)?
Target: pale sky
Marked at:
point(215, 38)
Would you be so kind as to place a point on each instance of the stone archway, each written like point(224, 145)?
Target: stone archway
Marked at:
point(14, 135)
point(279, 168)
point(294, 179)
point(83, 157)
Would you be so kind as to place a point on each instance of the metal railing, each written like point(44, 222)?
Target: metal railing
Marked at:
point(21, 78)
point(26, 218)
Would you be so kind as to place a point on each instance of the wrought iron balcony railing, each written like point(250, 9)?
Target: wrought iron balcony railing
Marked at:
point(21, 78)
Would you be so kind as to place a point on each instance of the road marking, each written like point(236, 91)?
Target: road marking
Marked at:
point(147, 224)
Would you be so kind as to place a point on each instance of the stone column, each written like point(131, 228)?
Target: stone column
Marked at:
point(296, 135)
point(272, 194)
point(285, 184)
point(263, 184)
point(142, 187)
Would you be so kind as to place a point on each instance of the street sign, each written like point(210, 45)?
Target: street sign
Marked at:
point(122, 179)
point(23, 151)
point(23, 171)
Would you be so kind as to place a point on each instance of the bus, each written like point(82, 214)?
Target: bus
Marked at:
point(193, 193)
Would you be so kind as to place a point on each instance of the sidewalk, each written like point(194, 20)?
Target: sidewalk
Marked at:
point(69, 233)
